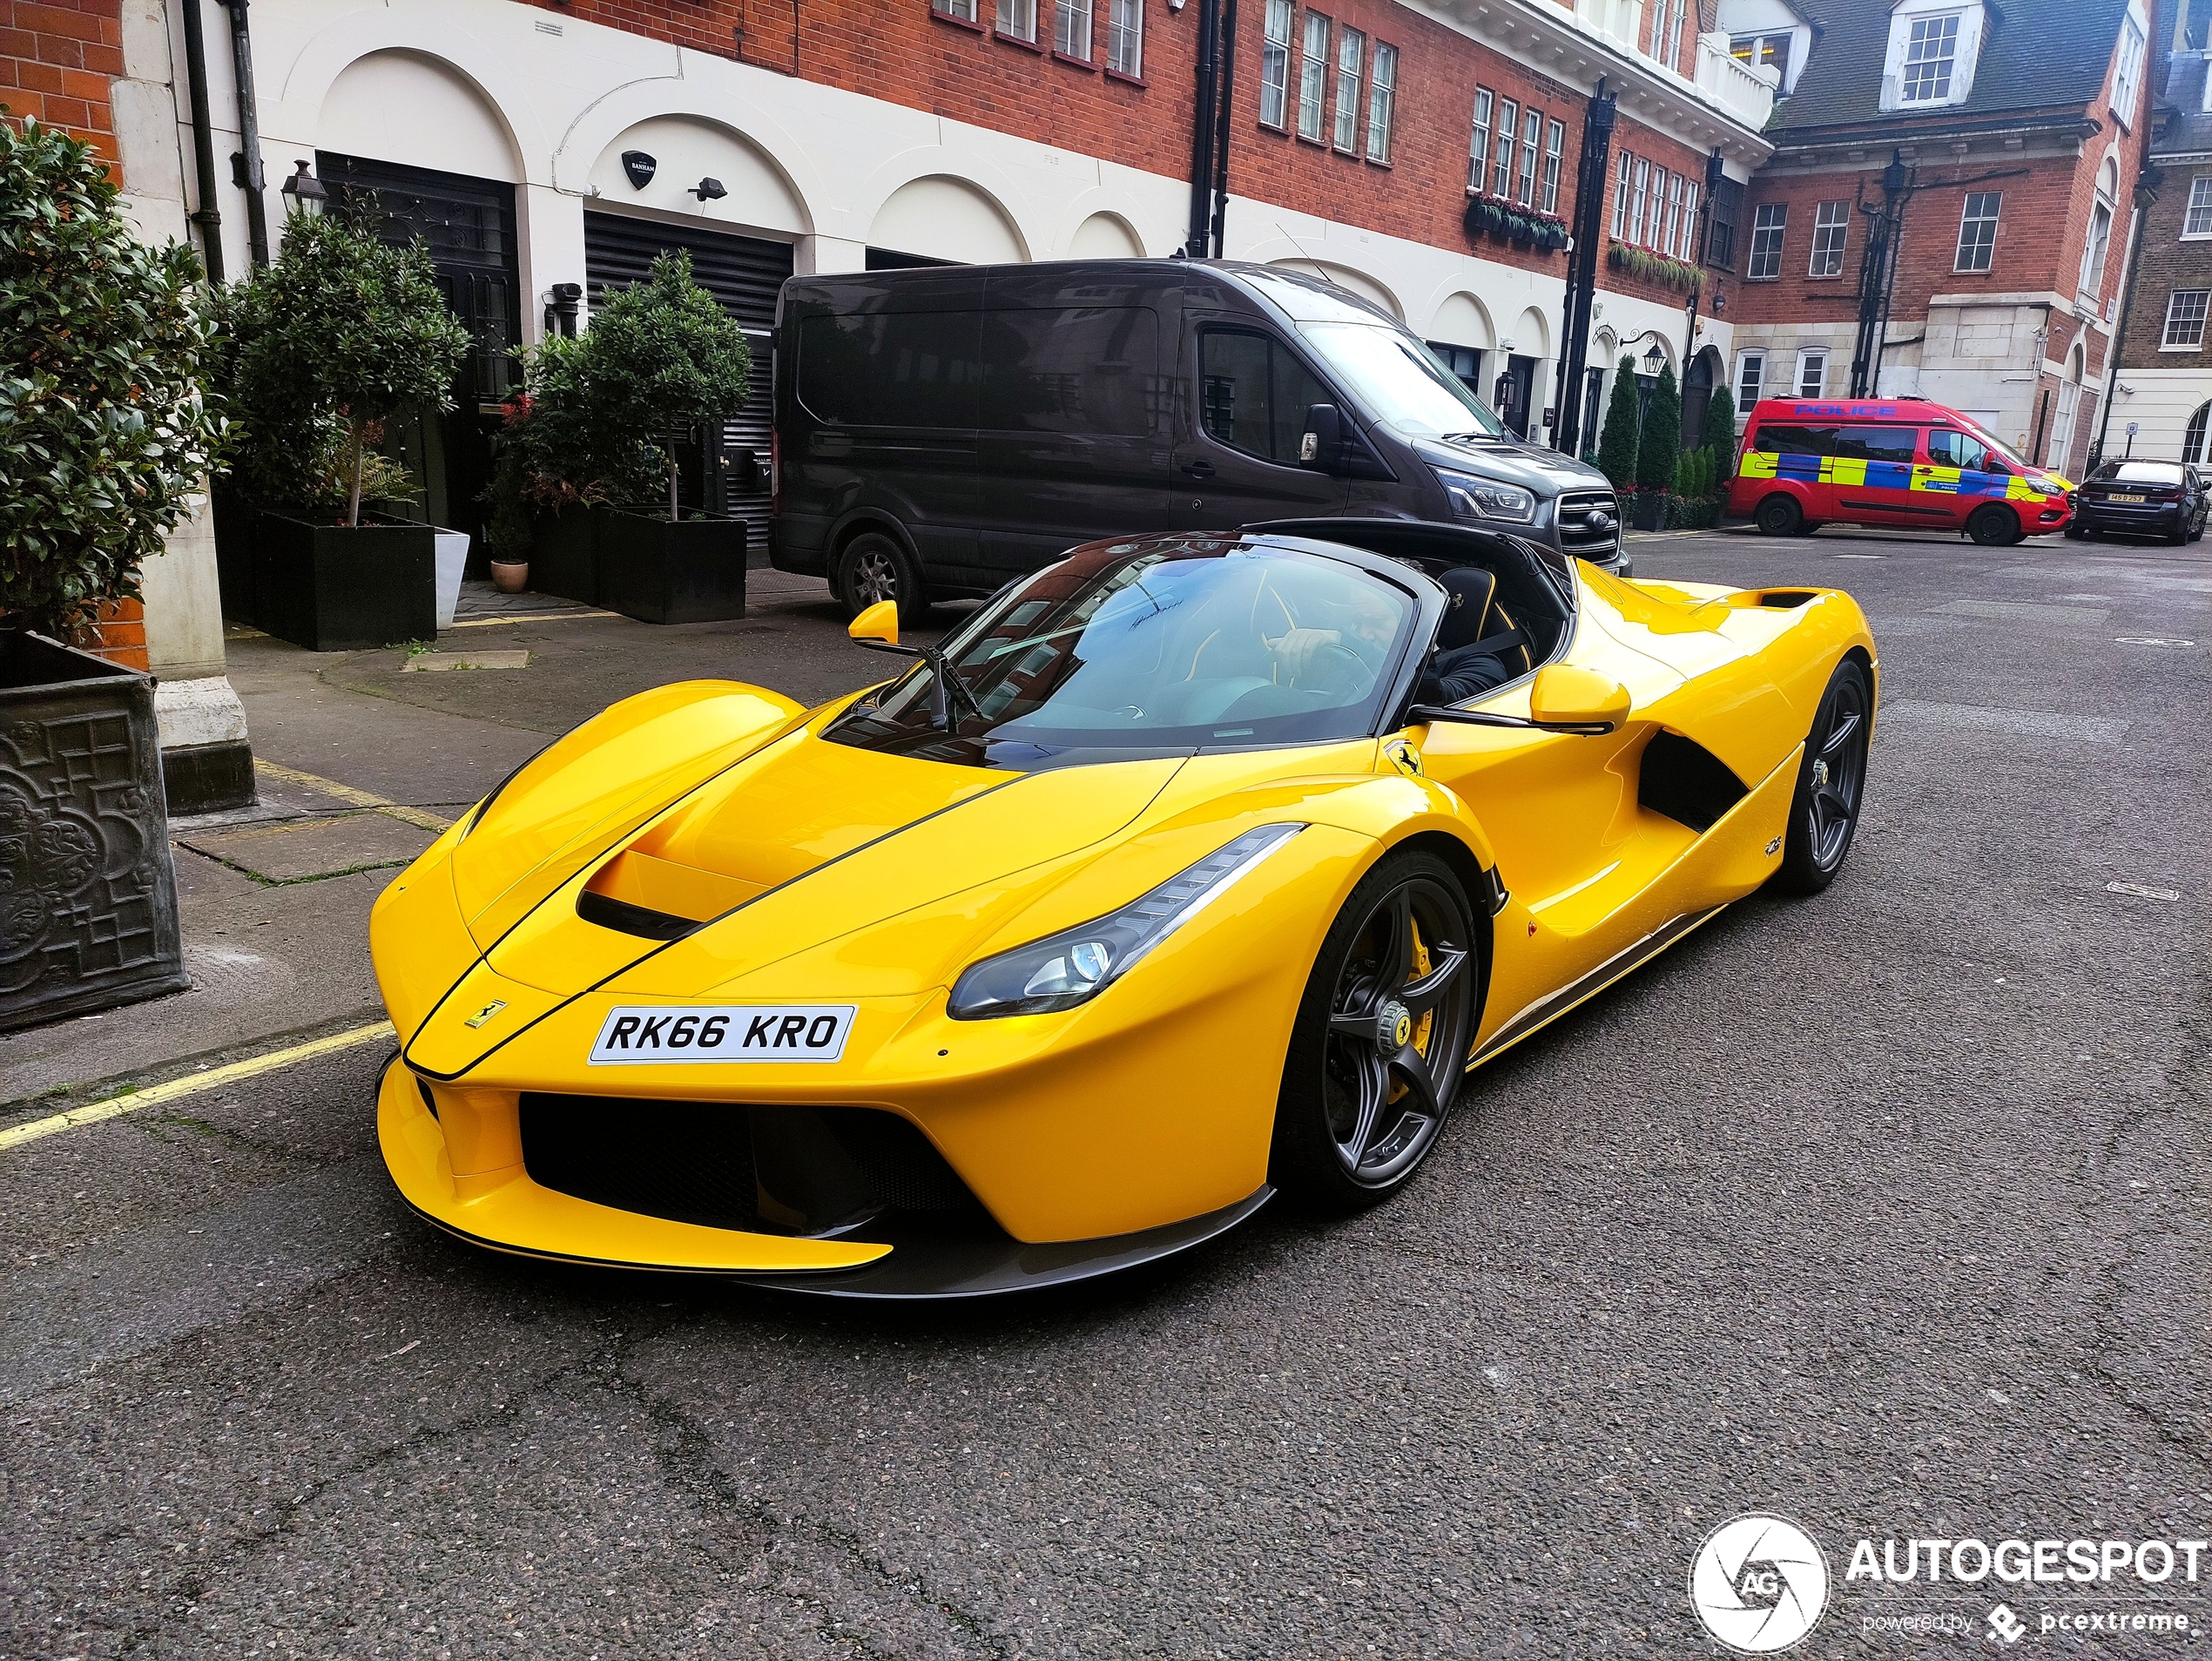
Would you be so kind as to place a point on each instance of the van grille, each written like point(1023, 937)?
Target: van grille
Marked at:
point(1577, 536)
point(798, 1170)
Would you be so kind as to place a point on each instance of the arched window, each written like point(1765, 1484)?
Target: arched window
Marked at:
point(2099, 241)
point(2193, 439)
point(2069, 402)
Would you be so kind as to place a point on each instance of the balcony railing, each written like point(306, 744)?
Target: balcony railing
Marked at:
point(1744, 93)
point(1620, 21)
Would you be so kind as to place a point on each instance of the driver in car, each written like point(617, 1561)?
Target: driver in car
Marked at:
point(1451, 677)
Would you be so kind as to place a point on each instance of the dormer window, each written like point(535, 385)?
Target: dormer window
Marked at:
point(1932, 47)
point(1931, 54)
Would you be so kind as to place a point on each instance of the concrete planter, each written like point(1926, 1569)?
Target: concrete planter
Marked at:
point(563, 561)
point(336, 588)
point(451, 560)
point(659, 570)
point(88, 899)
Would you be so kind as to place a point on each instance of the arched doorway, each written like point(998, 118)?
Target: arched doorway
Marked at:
point(1697, 393)
point(2193, 438)
point(2069, 406)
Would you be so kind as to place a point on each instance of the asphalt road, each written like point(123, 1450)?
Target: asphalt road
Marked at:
point(1885, 1209)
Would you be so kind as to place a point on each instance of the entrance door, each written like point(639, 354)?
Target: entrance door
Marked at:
point(728, 472)
point(1247, 398)
point(1511, 396)
point(469, 227)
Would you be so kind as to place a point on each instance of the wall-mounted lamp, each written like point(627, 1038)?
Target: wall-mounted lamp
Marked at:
point(304, 195)
point(709, 190)
point(638, 168)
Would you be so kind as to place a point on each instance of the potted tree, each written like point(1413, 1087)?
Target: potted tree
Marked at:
point(1658, 453)
point(342, 333)
point(662, 357)
point(1616, 444)
point(104, 438)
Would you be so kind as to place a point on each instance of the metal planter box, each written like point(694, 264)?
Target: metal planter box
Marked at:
point(663, 571)
point(563, 560)
point(88, 898)
point(340, 588)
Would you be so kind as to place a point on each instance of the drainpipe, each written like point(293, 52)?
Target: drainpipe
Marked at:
point(2145, 198)
point(1224, 81)
point(1204, 131)
point(246, 165)
point(1581, 280)
point(206, 217)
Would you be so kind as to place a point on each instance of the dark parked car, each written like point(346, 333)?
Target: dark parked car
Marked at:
point(940, 431)
point(2165, 499)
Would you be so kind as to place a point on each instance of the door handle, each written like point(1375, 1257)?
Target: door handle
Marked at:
point(1200, 468)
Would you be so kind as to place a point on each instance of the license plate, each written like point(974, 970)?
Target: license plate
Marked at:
point(2124, 498)
point(722, 1032)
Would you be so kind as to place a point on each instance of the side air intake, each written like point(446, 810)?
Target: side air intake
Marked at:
point(1686, 781)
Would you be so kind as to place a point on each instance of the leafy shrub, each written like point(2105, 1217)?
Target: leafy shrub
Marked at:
point(1660, 449)
point(1720, 434)
point(1616, 444)
point(104, 434)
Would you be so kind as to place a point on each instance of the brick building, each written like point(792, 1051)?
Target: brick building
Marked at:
point(1947, 209)
point(2163, 388)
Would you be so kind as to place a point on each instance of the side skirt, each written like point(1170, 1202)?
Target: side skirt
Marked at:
point(1547, 1010)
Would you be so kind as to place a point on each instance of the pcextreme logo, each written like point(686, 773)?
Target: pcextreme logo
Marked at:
point(1759, 1584)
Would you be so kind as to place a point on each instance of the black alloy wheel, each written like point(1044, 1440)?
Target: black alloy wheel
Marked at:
point(1380, 1046)
point(1831, 783)
point(1780, 516)
point(1994, 527)
point(872, 568)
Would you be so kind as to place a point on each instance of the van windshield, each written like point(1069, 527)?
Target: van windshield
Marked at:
point(1398, 381)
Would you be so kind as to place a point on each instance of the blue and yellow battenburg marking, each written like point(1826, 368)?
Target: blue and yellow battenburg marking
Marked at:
point(1892, 475)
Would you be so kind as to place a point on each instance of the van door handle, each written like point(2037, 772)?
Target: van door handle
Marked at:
point(1201, 468)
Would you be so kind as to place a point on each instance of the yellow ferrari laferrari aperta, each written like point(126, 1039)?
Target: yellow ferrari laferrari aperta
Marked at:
point(1189, 869)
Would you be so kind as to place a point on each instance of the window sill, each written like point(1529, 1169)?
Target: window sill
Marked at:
point(1371, 162)
point(1776, 277)
point(936, 16)
point(2189, 350)
point(1273, 129)
point(1963, 271)
point(1127, 80)
point(1319, 143)
point(2196, 236)
point(1005, 39)
point(1083, 63)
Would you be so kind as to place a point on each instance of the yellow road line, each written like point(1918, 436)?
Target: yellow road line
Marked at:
point(356, 798)
point(525, 617)
point(213, 1078)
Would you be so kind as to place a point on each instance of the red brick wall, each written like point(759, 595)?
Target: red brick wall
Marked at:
point(56, 57)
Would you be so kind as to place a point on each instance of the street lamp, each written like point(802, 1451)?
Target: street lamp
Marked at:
point(1653, 360)
point(304, 195)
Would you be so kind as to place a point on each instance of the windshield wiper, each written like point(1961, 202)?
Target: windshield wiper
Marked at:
point(944, 684)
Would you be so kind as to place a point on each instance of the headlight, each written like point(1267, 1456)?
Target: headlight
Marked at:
point(1077, 964)
point(1475, 498)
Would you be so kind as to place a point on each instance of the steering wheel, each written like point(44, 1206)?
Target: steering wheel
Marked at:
point(1333, 668)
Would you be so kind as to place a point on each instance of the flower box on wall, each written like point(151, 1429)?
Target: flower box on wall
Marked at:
point(331, 587)
point(88, 909)
point(662, 570)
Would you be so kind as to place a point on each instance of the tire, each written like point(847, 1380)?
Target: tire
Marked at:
point(1831, 784)
point(872, 568)
point(1779, 515)
point(2075, 531)
point(2179, 535)
point(1378, 1052)
point(1993, 527)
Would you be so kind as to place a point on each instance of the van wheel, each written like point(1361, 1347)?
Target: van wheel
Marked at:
point(872, 569)
point(1780, 516)
point(1994, 527)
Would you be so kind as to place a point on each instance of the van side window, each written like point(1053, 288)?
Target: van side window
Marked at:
point(1876, 443)
point(1253, 394)
point(1089, 369)
point(1947, 449)
point(1776, 439)
point(892, 368)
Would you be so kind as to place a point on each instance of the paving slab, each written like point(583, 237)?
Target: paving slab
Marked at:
point(305, 849)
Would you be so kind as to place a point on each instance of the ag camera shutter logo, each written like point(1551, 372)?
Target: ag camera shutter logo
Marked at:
point(1759, 1584)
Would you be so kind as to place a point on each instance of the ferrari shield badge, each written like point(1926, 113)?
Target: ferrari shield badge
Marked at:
point(1404, 757)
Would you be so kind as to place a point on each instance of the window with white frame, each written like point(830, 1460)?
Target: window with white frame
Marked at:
point(2185, 311)
point(1751, 376)
point(1812, 372)
point(1831, 227)
point(1620, 198)
point(1666, 31)
point(1672, 245)
point(1635, 207)
point(1501, 164)
point(1018, 20)
point(1351, 63)
point(1478, 141)
point(2197, 221)
point(1555, 150)
point(963, 10)
point(1769, 223)
point(1930, 55)
point(1691, 196)
point(1977, 230)
point(1532, 137)
point(1275, 63)
point(2127, 80)
point(1758, 50)
point(1382, 99)
point(1313, 76)
point(1071, 28)
point(2094, 249)
point(1125, 37)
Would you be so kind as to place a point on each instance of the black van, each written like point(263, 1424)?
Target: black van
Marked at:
point(940, 431)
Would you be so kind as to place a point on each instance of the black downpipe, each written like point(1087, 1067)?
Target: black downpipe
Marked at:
point(1204, 131)
point(246, 165)
point(1581, 282)
point(2146, 197)
point(1224, 81)
point(207, 217)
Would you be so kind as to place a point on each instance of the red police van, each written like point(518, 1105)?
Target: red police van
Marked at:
point(1888, 462)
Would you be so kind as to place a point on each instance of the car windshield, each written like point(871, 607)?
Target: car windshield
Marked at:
point(2141, 472)
point(1997, 444)
point(1399, 381)
point(1142, 647)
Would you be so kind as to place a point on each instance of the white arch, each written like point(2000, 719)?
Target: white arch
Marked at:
point(1140, 219)
point(1105, 236)
point(947, 218)
point(1463, 319)
point(1532, 335)
point(2194, 450)
point(1345, 277)
point(403, 27)
point(687, 149)
point(986, 179)
point(592, 133)
point(417, 111)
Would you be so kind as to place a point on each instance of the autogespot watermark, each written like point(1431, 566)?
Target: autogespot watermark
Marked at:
point(1760, 1585)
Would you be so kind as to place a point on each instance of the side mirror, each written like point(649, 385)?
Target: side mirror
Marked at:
point(878, 626)
point(1320, 446)
point(1562, 695)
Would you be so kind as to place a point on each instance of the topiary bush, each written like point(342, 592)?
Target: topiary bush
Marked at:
point(1659, 450)
point(1616, 444)
point(1720, 434)
point(104, 433)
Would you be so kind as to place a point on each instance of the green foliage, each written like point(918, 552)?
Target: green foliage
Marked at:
point(1616, 444)
point(1720, 434)
point(104, 434)
point(1694, 476)
point(342, 333)
point(1660, 449)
